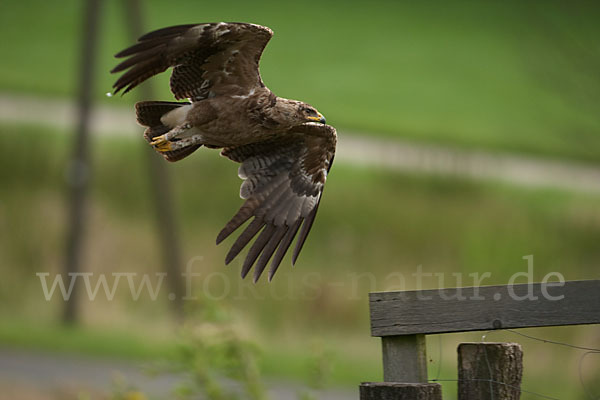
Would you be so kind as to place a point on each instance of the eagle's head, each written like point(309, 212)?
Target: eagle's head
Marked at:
point(308, 113)
point(294, 113)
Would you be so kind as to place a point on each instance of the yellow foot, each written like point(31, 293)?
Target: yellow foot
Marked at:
point(161, 144)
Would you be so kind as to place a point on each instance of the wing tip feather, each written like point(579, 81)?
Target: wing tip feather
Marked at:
point(223, 234)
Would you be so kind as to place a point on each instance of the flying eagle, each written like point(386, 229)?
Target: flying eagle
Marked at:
point(284, 146)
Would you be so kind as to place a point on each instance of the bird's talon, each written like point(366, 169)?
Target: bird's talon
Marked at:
point(164, 147)
point(158, 140)
point(161, 144)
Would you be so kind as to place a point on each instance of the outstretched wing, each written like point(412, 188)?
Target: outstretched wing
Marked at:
point(208, 59)
point(283, 184)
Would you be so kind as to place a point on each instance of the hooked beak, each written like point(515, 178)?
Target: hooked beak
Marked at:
point(319, 118)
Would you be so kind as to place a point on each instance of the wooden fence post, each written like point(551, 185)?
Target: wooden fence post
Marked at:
point(400, 391)
point(403, 319)
point(489, 371)
point(404, 372)
point(404, 359)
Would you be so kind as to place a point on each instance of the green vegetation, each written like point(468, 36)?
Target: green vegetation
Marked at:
point(103, 343)
point(373, 228)
point(512, 76)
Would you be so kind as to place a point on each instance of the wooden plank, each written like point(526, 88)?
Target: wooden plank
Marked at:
point(400, 391)
point(490, 371)
point(404, 359)
point(485, 308)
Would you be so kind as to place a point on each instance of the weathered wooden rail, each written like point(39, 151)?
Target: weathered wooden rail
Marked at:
point(403, 319)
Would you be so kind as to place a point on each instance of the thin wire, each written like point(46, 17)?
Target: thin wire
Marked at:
point(439, 366)
point(585, 389)
point(489, 367)
point(498, 383)
point(590, 349)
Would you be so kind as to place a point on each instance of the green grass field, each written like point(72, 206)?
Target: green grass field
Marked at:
point(372, 228)
point(508, 76)
point(512, 76)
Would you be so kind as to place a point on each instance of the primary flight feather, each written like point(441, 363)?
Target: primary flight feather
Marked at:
point(284, 147)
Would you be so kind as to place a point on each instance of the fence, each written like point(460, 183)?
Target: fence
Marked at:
point(486, 370)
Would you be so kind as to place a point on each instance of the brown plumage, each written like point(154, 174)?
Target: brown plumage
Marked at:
point(284, 146)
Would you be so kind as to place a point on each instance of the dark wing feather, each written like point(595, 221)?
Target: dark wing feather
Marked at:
point(283, 184)
point(207, 59)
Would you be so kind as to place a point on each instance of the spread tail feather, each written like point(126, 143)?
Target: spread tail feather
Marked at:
point(149, 113)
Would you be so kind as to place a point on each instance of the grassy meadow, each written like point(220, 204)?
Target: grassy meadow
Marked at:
point(510, 76)
point(359, 244)
point(518, 77)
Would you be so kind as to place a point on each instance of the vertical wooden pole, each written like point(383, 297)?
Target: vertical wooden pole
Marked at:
point(161, 190)
point(78, 173)
point(489, 371)
point(404, 359)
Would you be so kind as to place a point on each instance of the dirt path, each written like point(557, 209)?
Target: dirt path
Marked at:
point(27, 371)
point(357, 149)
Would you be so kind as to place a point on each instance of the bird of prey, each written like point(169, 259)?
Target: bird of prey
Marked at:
point(285, 148)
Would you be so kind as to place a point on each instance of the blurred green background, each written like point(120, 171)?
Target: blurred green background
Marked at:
point(498, 77)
